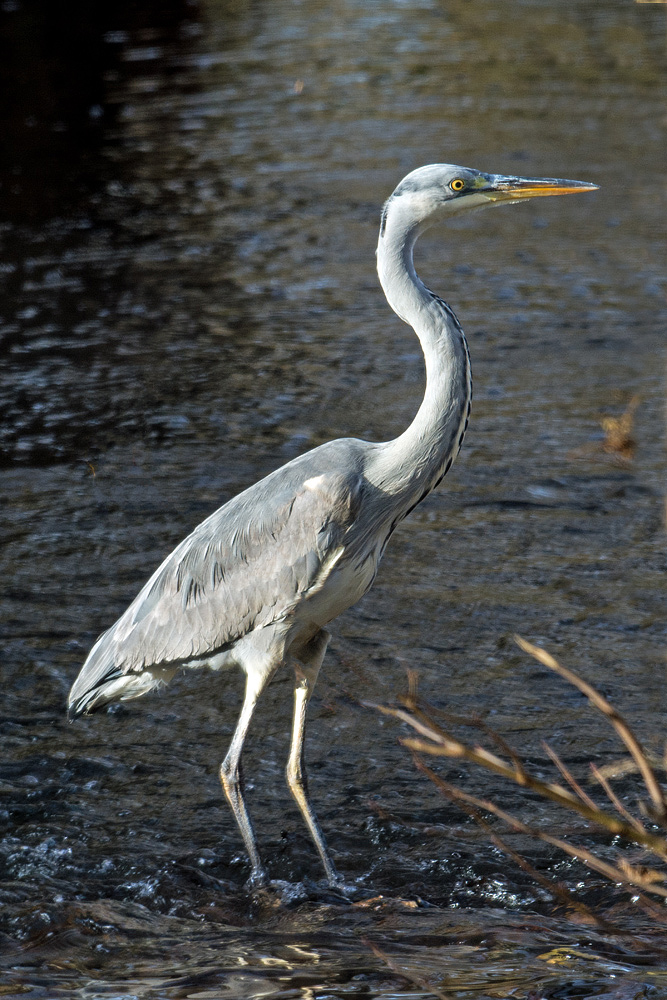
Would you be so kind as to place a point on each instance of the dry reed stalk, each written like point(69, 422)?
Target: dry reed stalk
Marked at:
point(436, 741)
point(443, 744)
point(574, 785)
point(617, 721)
point(620, 872)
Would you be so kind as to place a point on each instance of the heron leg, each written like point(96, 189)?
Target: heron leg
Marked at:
point(306, 670)
point(231, 774)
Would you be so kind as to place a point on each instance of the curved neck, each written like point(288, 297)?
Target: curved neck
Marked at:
point(413, 463)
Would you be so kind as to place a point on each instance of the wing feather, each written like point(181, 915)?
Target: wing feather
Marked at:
point(237, 571)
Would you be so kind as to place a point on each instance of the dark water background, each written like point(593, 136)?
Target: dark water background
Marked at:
point(188, 215)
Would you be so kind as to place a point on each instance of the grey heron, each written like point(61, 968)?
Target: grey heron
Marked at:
point(256, 583)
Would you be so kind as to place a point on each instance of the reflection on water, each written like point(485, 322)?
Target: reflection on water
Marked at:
point(189, 204)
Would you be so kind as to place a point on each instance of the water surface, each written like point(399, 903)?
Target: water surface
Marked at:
point(189, 207)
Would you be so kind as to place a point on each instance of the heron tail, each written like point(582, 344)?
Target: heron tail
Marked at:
point(101, 681)
point(116, 686)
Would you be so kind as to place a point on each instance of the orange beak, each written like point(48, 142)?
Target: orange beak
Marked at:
point(501, 188)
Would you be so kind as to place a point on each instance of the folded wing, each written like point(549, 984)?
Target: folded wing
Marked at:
point(244, 567)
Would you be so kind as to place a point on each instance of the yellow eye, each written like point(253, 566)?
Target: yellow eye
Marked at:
point(457, 185)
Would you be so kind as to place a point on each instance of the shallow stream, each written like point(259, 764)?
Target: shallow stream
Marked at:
point(189, 210)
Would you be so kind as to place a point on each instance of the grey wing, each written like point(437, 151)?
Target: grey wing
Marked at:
point(245, 566)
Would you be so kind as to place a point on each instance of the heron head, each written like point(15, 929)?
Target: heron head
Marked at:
point(442, 189)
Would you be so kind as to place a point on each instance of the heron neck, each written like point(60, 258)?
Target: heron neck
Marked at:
point(413, 463)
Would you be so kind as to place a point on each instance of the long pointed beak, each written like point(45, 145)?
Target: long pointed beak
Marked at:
point(502, 188)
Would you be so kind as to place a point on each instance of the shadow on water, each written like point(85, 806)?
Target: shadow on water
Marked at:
point(108, 253)
point(188, 212)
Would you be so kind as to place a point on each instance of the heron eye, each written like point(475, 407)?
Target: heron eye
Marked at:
point(458, 184)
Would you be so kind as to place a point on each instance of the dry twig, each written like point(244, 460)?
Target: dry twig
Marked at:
point(643, 881)
point(618, 722)
point(439, 743)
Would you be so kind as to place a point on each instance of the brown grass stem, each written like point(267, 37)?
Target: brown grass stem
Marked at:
point(626, 874)
point(569, 777)
point(617, 721)
point(443, 744)
point(614, 799)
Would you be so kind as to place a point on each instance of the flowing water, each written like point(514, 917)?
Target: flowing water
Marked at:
point(189, 208)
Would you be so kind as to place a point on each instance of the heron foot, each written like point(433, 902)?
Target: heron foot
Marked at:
point(258, 880)
point(348, 892)
point(307, 890)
